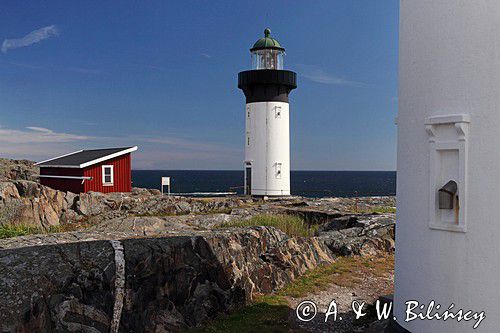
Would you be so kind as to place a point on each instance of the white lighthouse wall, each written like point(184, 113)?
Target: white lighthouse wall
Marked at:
point(449, 64)
point(267, 147)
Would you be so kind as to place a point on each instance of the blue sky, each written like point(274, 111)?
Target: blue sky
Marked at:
point(162, 75)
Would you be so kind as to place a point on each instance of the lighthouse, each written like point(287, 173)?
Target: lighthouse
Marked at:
point(267, 119)
point(448, 184)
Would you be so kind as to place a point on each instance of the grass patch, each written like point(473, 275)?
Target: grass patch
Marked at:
point(15, 230)
point(383, 209)
point(345, 272)
point(374, 210)
point(291, 225)
point(270, 313)
point(78, 225)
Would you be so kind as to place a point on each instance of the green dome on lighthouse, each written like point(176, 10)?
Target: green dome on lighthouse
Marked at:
point(267, 42)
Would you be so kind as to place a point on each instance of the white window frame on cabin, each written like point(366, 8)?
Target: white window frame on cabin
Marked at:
point(112, 174)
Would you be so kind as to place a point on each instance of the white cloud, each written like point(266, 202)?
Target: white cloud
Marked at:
point(33, 134)
point(316, 74)
point(172, 153)
point(39, 129)
point(206, 55)
point(39, 143)
point(188, 144)
point(33, 37)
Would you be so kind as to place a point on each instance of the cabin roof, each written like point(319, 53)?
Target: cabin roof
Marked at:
point(85, 158)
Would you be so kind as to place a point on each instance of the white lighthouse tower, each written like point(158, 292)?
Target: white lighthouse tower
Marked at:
point(267, 119)
point(448, 184)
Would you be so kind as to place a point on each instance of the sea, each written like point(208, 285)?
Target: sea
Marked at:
point(315, 184)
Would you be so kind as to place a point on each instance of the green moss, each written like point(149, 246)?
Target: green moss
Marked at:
point(291, 225)
point(15, 230)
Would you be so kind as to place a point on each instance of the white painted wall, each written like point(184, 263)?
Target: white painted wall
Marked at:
point(267, 143)
point(449, 63)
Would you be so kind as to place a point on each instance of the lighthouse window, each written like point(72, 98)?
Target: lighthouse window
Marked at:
point(277, 112)
point(267, 59)
point(278, 170)
point(248, 139)
point(107, 175)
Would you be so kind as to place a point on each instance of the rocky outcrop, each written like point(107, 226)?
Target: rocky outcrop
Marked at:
point(145, 274)
point(17, 170)
point(29, 203)
point(148, 262)
point(8, 191)
point(367, 235)
point(169, 282)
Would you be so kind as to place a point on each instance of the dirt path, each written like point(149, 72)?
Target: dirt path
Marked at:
point(360, 281)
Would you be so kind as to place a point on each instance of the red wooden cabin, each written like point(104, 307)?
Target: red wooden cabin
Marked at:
point(100, 170)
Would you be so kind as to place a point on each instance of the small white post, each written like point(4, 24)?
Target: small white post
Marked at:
point(165, 181)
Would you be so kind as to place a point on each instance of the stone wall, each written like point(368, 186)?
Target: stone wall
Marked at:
point(161, 284)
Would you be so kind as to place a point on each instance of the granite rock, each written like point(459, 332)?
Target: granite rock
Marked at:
point(17, 169)
point(170, 282)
